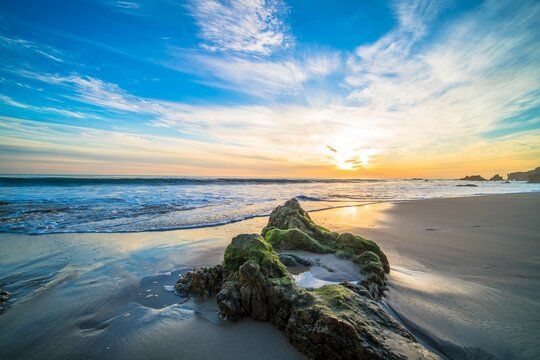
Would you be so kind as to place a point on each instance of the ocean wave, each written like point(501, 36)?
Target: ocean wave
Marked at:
point(308, 198)
point(113, 205)
point(158, 181)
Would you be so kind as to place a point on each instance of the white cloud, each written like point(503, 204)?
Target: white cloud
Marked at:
point(90, 90)
point(465, 80)
point(46, 109)
point(259, 77)
point(42, 50)
point(127, 4)
point(250, 26)
point(414, 94)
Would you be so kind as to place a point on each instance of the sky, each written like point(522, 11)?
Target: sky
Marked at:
point(268, 88)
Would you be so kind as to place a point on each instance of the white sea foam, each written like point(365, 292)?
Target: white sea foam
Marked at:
point(49, 205)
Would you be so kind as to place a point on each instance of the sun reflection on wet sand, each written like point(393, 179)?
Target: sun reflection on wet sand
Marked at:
point(362, 216)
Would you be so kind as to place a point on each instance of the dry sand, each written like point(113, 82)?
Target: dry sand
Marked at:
point(464, 279)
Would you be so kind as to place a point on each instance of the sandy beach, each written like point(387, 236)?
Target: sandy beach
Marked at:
point(464, 281)
point(465, 271)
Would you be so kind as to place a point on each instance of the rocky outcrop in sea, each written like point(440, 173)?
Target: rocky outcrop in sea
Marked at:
point(336, 321)
point(524, 175)
point(473, 178)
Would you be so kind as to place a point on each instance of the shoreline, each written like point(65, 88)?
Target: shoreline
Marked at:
point(131, 262)
point(228, 222)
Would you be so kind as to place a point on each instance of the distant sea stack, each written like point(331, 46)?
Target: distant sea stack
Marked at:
point(525, 175)
point(496, 178)
point(473, 178)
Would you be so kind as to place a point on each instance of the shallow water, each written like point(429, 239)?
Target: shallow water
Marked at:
point(327, 269)
point(40, 205)
point(96, 296)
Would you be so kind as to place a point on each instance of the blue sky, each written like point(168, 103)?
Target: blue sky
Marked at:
point(269, 88)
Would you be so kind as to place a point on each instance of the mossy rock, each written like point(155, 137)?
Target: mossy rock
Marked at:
point(370, 264)
point(253, 247)
point(291, 216)
point(331, 322)
point(294, 239)
point(357, 245)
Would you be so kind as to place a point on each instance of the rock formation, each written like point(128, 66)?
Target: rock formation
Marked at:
point(524, 175)
point(534, 179)
point(496, 178)
point(341, 321)
point(4, 296)
point(473, 178)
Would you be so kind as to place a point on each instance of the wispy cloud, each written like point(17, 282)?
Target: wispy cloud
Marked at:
point(467, 79)
point(45, 109)
point(258, 77)
point(46, 51)
point(250, 26)
point(90, 90)
point(127, 4)
point(420, 94)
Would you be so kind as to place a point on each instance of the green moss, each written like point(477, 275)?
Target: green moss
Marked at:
point(254, 248)
point(333, 297)
point(283, 281)
point(294, 239)
point(291, 216)
point(367, 257)
point(357, 245)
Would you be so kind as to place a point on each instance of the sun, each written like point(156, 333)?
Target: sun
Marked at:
point(349, 157)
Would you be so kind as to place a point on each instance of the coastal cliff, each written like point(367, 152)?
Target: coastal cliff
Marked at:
point(524, 175)
point(334, 321)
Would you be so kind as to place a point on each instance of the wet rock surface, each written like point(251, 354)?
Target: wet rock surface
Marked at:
point(203, 281)
point(341, 321)
point(4, 297)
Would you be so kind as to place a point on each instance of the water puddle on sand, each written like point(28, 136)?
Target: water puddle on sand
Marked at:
point(306, 279)
point(158, 291)
point(326, 269)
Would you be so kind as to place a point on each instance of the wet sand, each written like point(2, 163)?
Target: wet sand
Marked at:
point(97, 296)
point(464, 279)
point(465, 272)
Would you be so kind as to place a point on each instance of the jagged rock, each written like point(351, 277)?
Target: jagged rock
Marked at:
point(290, 227)
point(473, 178)
point(203, 281)
point(229, 301)
point(4, 296)
point(294, 260)
point(334, 322)
point(496, 178)
point(331, 322)
point(359, 289)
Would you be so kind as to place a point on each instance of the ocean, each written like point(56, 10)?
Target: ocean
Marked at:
point(67, 204)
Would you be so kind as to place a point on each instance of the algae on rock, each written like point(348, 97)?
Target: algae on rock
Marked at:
point(341, 321)
point(291, 228)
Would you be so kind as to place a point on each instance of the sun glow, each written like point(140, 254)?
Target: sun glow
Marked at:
point(350, 157)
